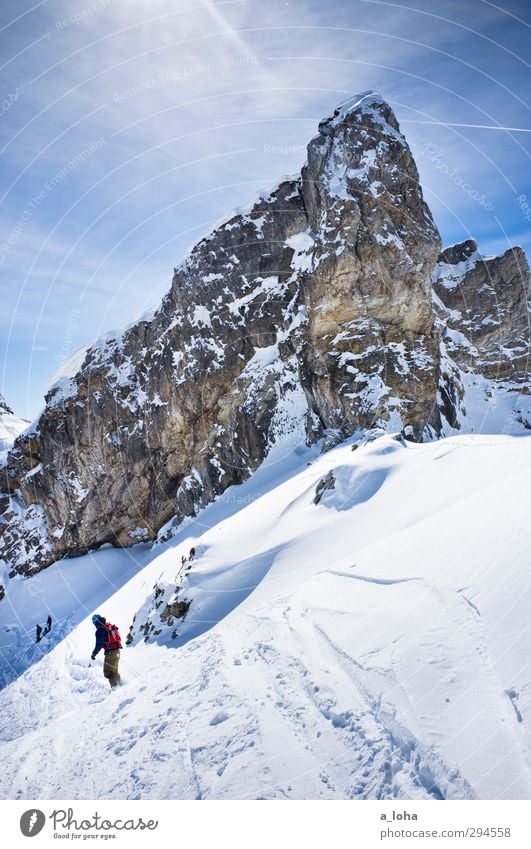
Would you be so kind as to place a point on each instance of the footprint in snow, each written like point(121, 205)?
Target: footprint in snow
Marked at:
point(219, 717)
point(122, 705)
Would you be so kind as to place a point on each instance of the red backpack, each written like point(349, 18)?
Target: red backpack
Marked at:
point(114, 641)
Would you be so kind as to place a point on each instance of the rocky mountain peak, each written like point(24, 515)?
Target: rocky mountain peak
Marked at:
point(460, 252)
point(365, 207)
point(3, 406)
point(307, 316)
point(356, 109)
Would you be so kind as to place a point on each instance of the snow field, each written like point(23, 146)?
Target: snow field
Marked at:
point(374, 645)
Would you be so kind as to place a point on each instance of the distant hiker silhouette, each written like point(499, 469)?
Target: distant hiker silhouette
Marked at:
point(108, 638)
point(192, 554)
point(48, 625)
point(38, 631)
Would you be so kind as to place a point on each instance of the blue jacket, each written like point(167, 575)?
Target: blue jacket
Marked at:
point(101, 639)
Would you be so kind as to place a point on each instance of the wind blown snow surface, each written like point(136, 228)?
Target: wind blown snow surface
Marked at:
point(373, 645)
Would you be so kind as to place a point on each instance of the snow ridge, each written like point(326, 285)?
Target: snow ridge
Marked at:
point(328, 650)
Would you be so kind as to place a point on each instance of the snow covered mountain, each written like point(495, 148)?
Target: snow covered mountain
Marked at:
point(10, 427)
point(372, 645)
point(351, 623)
point(312, 314)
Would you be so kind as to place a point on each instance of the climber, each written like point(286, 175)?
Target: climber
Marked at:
point(108, 638)
point(38, 634)
point(48, 625)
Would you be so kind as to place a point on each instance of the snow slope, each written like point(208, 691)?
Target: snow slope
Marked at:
point(374, 645)
point(10, 427)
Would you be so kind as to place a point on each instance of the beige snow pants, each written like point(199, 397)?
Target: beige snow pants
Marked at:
point(110, 667)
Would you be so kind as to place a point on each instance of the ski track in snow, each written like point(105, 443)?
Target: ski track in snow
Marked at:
point(373, 646)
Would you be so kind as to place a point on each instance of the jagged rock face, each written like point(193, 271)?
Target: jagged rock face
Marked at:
point(164, 416)
point(310, 314)
point(487, 302)
point(375, 238)
point(368, 289)
point(483, 303)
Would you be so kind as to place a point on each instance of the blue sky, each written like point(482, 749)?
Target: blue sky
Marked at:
point(128, 127)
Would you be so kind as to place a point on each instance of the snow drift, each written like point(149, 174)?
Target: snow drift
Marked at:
point(374, 645)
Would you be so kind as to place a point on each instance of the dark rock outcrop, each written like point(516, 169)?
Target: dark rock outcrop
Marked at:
point(3, 406)
point(460, 252)
point(486, 300)
point(325, 484)
point(483, 304)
